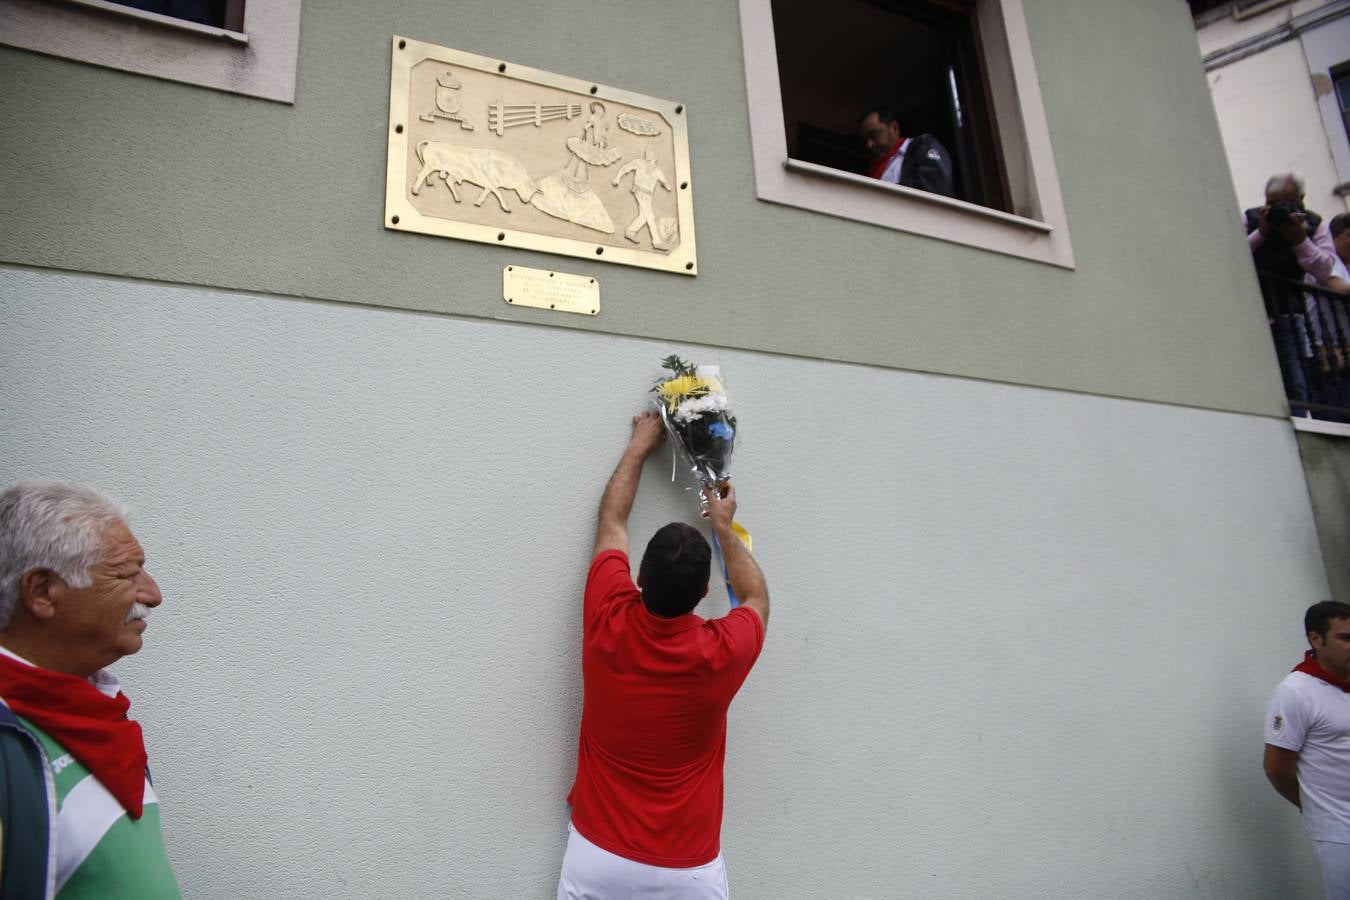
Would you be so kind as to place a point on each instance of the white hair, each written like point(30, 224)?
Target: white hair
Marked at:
point(52, 525)
point(1283, 178)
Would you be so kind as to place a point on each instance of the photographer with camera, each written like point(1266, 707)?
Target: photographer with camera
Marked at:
point(1291, 244)
point(1287, 239)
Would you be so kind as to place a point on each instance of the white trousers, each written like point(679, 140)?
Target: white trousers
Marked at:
point(1335, 860)
point(590, 873)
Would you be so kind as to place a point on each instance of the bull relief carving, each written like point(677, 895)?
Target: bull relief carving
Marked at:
point(488, 169)
point(578, 157)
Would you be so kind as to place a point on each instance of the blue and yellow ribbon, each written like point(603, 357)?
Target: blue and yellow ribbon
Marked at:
point(743, 535)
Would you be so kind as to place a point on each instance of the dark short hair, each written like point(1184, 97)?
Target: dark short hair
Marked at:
point(885, 115)
point(1317, 620)
point(674, 570)
point(1339, 224)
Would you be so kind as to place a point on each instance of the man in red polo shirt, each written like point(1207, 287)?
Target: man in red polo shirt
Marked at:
point(647, 800)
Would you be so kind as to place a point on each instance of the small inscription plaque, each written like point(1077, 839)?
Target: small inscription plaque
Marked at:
point(544, 289)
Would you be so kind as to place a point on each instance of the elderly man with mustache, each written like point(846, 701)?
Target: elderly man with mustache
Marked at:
point(78, 817)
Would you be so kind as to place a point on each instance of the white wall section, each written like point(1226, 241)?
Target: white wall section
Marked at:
point(1020, 646)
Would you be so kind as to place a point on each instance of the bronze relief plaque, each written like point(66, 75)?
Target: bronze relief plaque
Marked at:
point(486, 150)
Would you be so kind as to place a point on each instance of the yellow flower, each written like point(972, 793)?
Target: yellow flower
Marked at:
point(677, 389)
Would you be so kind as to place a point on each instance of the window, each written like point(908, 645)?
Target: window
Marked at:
point(226, 45)
point(226, 14)
point(918, 60)
point(1341, 79)
point(958, 70)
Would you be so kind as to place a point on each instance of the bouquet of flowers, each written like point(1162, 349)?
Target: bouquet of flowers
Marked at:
point(702, 430)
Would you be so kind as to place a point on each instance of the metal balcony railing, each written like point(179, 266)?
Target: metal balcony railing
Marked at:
point(1310, 326)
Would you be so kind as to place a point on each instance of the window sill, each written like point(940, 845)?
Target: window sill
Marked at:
point(140, 15)
point(937, 200)
point(257, 61)
point(1318, 426)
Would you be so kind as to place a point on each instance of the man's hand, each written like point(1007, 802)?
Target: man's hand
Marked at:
point(1293, 231)
point(1262, 225)
point(721, 505)
point(648, 433)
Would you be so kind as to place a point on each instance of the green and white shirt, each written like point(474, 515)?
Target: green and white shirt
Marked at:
point(101, 852)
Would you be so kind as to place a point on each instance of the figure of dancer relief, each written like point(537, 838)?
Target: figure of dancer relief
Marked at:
point(646, 176)
point(567, 194)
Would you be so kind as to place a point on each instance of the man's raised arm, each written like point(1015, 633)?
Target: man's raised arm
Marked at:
point(611, 532)
point(742, 571)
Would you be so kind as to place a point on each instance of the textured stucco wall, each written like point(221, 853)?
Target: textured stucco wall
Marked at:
point(1326, 460)
point(1020, 646)
point(109, 172)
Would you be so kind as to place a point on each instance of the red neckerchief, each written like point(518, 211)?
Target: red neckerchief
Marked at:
point(90, 725)
point(1310, 666)
point(879, 166)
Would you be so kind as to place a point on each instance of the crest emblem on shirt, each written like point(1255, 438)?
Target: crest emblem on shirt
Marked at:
point(1278, 725)
point(934, 156)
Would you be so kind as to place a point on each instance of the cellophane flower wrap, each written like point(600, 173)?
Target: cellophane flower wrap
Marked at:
point(694, 407)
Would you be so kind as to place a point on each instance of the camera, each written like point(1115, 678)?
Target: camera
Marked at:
point(1284, 210)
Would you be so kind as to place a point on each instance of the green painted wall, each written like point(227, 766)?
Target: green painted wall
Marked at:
point(1326, 463)
point(108, 172)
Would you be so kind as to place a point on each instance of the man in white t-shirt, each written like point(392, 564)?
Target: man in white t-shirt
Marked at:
point(1308, 741)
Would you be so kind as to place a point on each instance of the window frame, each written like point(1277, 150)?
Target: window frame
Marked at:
point(257, 61)
point(1037, 231)
point(231, 30)
point(1338, 74)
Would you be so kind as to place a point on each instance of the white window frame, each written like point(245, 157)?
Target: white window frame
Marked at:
point(1039, 228)
point(259, 62)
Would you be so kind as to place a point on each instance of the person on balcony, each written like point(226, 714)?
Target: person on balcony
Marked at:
point(1287, 239)
point(919, 162)
point(1290, 243)
point(1339, 227)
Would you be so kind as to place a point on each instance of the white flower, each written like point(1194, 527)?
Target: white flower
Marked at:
point(693, 409)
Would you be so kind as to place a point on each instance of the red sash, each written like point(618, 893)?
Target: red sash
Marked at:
point(90, 725)
point(879, 166)
point(1310, 666)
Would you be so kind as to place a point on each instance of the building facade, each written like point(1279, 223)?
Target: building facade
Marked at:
point(1279, 75)
point(1023, 481)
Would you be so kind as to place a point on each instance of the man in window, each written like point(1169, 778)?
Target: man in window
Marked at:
point(1307, 731)
point(647, 800)
point(919, 162)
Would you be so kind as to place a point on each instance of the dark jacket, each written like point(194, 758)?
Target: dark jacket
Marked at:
point(927, 166)
point(26, 813)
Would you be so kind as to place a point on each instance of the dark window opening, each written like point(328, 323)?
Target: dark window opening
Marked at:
point(919, 58)
point(227, 14)
point(1203, 6)
point(1340, 77)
